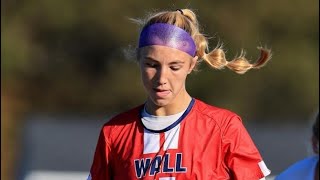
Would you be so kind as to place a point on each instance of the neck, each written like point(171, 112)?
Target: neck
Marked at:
point(169, 109)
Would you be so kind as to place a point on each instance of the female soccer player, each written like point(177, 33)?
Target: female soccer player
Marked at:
point(173, 136)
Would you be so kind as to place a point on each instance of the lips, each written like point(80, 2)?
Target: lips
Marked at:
point(161, 93)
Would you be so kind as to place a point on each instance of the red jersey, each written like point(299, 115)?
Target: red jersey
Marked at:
point(206, 142)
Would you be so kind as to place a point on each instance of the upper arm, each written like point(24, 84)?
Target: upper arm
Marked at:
point(101, 168)
point(242, 157)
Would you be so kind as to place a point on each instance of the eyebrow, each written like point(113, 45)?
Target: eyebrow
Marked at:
point(174, 62)
point(150, 58)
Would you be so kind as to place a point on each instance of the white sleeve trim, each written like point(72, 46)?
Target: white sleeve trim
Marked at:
point(264, 169)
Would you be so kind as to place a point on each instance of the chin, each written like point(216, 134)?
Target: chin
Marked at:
point(160, 102)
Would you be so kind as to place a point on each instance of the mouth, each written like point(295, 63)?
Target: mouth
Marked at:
point(161, 93)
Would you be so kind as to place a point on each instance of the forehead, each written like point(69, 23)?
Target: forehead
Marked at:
point(161, 53)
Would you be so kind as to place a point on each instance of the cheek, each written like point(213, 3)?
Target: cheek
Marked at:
point(179, 80)
point(146, 76)
point(182, 76)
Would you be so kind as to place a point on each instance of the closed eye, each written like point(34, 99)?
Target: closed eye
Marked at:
point(150, 64)
point(175, 68)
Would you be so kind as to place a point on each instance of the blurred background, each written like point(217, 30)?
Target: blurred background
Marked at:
point(64, 73)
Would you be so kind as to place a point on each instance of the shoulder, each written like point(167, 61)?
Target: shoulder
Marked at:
point(219, 115)
point(211, 110)
point(122, 120)
point(125, 117)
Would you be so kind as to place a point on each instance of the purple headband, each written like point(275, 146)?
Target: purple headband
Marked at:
point(167, 35)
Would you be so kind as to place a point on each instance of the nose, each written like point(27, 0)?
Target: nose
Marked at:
point(162, 76)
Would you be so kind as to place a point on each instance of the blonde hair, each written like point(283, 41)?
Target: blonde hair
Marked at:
point(187, 20)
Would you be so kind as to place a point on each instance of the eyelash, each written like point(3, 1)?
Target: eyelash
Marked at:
point(151, 65)
point(175, 68)
point(154, 65)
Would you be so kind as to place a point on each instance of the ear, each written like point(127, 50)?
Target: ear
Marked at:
point(193, 64)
